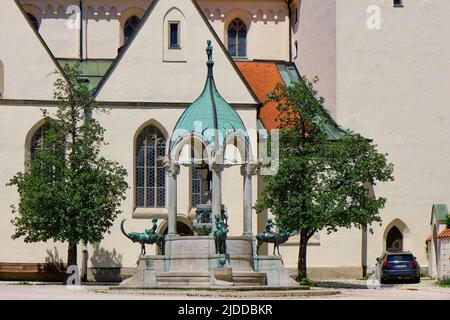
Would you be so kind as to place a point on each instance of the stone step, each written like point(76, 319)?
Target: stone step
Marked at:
point(238, 278)
point(183, 278)
point(249, 278)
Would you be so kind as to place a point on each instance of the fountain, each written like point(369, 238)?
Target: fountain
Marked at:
point(211, 258)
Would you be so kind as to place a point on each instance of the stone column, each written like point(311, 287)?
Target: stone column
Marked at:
point(216, 167)
point(172, 171)
point(247, 172)
point(216, 194)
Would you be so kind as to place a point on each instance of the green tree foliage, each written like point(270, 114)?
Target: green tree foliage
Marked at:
point(322, 183)
point(69, 193)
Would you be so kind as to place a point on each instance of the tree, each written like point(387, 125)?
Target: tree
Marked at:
point(324, 180)
point(69, 193)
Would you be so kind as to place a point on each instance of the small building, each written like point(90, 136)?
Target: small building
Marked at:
point(438, 243)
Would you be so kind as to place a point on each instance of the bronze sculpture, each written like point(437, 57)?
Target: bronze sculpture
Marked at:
point(150, 236)
point(270, 236)
point(220, 236)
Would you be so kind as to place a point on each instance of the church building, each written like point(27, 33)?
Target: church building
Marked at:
point(381, 66)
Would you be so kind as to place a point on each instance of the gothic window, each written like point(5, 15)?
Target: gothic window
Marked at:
point(130, 27)
point(237, 38)
point(150, 172)
point(37, 142)
point(33, 21)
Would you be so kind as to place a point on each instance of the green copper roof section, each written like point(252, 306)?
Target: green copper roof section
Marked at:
point(92, 70)
point(210, 116)
point(322, 119)
point(441, 212)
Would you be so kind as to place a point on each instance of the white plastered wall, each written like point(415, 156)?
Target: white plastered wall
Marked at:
point(12, 160)
point(28, 69)
point(315, 36)
point(142, 74)
point(267, 23)
point(392, 86)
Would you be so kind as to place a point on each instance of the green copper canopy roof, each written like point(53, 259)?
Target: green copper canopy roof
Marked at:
point(210, 116)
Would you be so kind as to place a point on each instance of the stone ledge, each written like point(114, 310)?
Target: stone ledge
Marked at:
point(214, 288)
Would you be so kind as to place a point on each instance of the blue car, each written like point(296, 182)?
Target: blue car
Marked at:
point(397, 266)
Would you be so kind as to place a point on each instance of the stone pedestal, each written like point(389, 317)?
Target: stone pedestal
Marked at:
point(146, 270)
point(273, 267)
point(192, 261)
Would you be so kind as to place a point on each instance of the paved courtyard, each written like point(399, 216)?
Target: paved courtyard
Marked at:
point(332, 289)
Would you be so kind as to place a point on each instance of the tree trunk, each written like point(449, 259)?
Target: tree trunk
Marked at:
point(301, 263)
point(72, 254)
point(71, 261)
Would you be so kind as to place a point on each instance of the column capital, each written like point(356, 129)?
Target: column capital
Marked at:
point(217, 163)
point(170, 166)
point(250, 168)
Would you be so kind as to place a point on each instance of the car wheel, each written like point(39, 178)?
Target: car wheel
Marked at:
point(382, 280)
point(416, 280)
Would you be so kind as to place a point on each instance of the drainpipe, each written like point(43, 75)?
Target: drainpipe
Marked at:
point(81, 31)
point(288, 2)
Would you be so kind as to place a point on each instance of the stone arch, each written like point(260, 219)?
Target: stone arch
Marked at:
point(185, 139)
point(396, 232)
point(182, 221)
point(237, 141)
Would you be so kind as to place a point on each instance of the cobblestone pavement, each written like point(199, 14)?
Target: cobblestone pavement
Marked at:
point(330, 289)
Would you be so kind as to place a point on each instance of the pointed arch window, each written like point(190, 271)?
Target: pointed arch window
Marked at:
point(34, 21)
point(237, 38)
point(37, 142)
point(130, 27)
point(150, 171)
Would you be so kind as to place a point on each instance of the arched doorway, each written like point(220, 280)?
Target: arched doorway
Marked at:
point(394, 240)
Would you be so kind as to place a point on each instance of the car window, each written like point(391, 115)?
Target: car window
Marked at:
point(400, 257)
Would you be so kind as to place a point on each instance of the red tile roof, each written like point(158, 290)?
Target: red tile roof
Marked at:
point(445, 234)
point(263, 77)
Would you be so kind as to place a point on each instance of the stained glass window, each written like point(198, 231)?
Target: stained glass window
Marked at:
point(130, 27)
point(150, 172)
point(237, 38)
point(37, 142)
